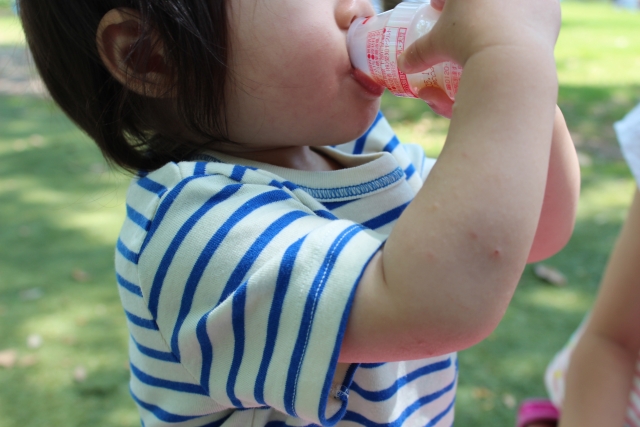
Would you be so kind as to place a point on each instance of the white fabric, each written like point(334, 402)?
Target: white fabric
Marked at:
point(628, 132)
point(237, 278)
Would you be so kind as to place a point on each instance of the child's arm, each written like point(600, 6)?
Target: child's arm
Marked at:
point(603, 363)
point(561, 195)
point(449, 267)
point(563, 183)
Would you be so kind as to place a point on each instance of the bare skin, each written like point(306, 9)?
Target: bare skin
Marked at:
point(507, 178)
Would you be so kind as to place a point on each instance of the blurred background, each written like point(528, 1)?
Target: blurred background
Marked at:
point(63, 339)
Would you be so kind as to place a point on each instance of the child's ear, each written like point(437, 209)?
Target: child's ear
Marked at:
point(134, 59)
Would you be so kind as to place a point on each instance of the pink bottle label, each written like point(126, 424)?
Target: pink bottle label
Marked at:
point(383, 48)
point(452, 73)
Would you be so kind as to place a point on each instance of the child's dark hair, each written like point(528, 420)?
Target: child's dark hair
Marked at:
point(62, 37)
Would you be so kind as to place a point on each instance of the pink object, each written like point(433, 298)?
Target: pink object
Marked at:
point(536, 410)
point(376, 42)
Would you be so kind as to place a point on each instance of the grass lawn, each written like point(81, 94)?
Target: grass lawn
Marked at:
point(61, 208)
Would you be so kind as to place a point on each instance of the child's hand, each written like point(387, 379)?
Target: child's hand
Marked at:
point(437, 100)
point(468, 27)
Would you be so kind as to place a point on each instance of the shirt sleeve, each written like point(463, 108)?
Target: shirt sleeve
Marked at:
point(251, 289)
point(628, 133)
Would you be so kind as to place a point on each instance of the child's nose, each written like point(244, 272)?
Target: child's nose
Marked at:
point(348, 10)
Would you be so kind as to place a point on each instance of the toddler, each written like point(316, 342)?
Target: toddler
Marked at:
point(595, 378)
point(285, 261)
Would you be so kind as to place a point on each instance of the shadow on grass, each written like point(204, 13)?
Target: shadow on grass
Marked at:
point(61, 209)
point(509, 366)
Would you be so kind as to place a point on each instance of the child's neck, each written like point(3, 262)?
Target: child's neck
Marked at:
point(301, 158)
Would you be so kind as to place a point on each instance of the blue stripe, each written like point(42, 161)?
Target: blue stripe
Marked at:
point(153, 353)
point(442, 414)
point(380, 395)
point(237, 321)
point(143, 323)
point(276, 184)
point(242, 267)
point(202, 262)
point(152, 186)
point(334, 357)
point(371, 365)
point(392, 144)
point(220, 422)
point(167, 258)
point(409, 410)
point(162, 210)
point(313, 297)
point(238, 173)
point(131, 287)
point(410, 171)
point(355, 190)
point(290, 185)
point(325, 214)
point(335, 205)
point(284, 424)
point(359, 145)
point(282, 285)
point(138, 218)
point(126, 252)
point(160, 413)
point(168, 417)
point(385, 218)
point(207, 350)
point(166, 384)
point(200, 168)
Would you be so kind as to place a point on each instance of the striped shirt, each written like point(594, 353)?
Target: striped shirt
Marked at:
point(237, 278)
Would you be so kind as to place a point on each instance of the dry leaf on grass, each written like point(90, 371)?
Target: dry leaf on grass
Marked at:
point(549, 274)
point(509, 400)
point(34, 341)
point(8, 358)
point(80, 275)
point(482, 393)
point(31, 294)
point(79, 374)
point(28, 360)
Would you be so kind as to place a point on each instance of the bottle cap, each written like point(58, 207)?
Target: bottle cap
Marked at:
point(403, 14)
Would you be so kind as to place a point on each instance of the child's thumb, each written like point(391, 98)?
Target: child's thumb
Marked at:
point(420, 55)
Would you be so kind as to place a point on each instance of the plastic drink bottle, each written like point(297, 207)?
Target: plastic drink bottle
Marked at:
point(375, 43)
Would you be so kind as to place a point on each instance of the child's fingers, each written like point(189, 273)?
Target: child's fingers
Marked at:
point(439, 102)
point(466, 27)
point(437, 4)
point(420, 55)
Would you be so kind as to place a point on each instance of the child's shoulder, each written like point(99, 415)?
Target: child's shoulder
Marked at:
point(380, 137)
point(185, 190)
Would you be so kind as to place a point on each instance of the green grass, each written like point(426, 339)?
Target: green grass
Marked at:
point(10, 31)
point(60, 210)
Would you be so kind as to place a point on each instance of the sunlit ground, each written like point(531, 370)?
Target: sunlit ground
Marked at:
point(61, 208)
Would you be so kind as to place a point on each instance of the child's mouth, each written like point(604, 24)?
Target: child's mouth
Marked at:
point(367, 82)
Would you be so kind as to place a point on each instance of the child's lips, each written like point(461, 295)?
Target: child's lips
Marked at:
point(367, 82)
